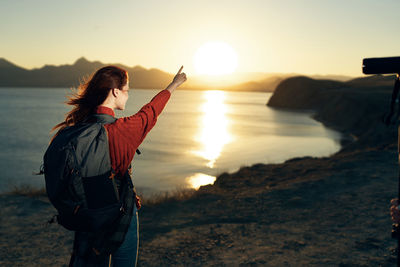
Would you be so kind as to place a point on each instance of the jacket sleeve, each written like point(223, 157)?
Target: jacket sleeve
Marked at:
point(136, 127)
point(126, 134)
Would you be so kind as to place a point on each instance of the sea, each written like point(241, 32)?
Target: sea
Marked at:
point(199, 135)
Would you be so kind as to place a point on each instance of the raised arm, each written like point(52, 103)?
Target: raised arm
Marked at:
point(150, 111)
point(126, 134)
point(136, 127)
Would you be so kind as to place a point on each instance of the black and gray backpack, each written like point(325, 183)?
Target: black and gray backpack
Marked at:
point(81, 183)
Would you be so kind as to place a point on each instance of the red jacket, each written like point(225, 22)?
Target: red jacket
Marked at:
point(127, 133)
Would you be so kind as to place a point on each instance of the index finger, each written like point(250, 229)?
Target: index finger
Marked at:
point(180, 70)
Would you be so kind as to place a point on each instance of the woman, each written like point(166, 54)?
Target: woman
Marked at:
point(105, 91)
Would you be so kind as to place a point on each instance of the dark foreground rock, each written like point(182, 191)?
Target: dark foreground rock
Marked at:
point(305, 212)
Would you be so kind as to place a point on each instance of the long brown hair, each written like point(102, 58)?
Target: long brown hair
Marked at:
point(92, 93)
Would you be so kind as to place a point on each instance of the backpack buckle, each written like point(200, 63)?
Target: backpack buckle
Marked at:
point(122, 209)
point(112, 175)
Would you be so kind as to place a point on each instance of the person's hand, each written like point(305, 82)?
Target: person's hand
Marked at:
point(394, 211)
point(137, 202)
point(179, 77)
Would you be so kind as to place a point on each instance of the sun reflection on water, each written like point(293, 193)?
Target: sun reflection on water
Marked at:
point(214, 133)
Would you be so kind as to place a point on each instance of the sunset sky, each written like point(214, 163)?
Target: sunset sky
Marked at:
point(301, 36)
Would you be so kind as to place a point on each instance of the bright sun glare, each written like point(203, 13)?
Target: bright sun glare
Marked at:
point(215, 58)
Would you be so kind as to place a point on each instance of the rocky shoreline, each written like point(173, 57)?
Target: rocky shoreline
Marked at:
point(331, 211)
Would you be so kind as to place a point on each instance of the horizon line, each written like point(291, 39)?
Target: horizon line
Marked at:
point(194, 75)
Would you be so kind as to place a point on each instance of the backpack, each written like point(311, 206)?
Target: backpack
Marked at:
point(80, 181)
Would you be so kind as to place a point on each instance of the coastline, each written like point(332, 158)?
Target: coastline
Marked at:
point(306, 211)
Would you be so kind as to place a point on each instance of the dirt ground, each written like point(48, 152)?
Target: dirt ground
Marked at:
point(330, 211)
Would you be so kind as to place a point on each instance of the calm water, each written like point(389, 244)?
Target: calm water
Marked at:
point(199, 135)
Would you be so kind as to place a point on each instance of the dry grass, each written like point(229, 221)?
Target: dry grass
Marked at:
point(28, 190)
point(179, 194)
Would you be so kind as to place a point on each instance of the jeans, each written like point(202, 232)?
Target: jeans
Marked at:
point(125, 256)
point(127, 253)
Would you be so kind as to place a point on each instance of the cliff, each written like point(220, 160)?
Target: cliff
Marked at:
point(356, 107)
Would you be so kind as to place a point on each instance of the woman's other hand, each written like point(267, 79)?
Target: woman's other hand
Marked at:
point(179, 77)
point(394, 210)
point(137, 202)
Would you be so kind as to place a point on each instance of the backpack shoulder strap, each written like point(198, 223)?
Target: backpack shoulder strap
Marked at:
point(104, 119)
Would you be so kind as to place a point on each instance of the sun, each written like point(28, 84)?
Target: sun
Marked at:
point(215, 58)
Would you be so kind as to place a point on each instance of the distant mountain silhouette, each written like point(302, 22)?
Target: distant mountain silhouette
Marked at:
point(66, 75)
point(4, 64)
point(71, 75)
point(265, 85)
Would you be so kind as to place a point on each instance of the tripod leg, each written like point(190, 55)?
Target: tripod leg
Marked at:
point(396, 226)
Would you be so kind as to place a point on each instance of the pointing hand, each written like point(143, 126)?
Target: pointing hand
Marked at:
point(179, 77)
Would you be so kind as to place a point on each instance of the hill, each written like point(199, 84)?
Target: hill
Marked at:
point(354, 106)
point(71, 75)
point(66, 75)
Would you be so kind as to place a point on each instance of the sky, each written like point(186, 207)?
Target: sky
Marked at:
point(286, 36)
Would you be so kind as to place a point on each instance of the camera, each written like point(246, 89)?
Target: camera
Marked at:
point(381, 65)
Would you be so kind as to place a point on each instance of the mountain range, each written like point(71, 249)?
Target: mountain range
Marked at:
point(66, 75)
